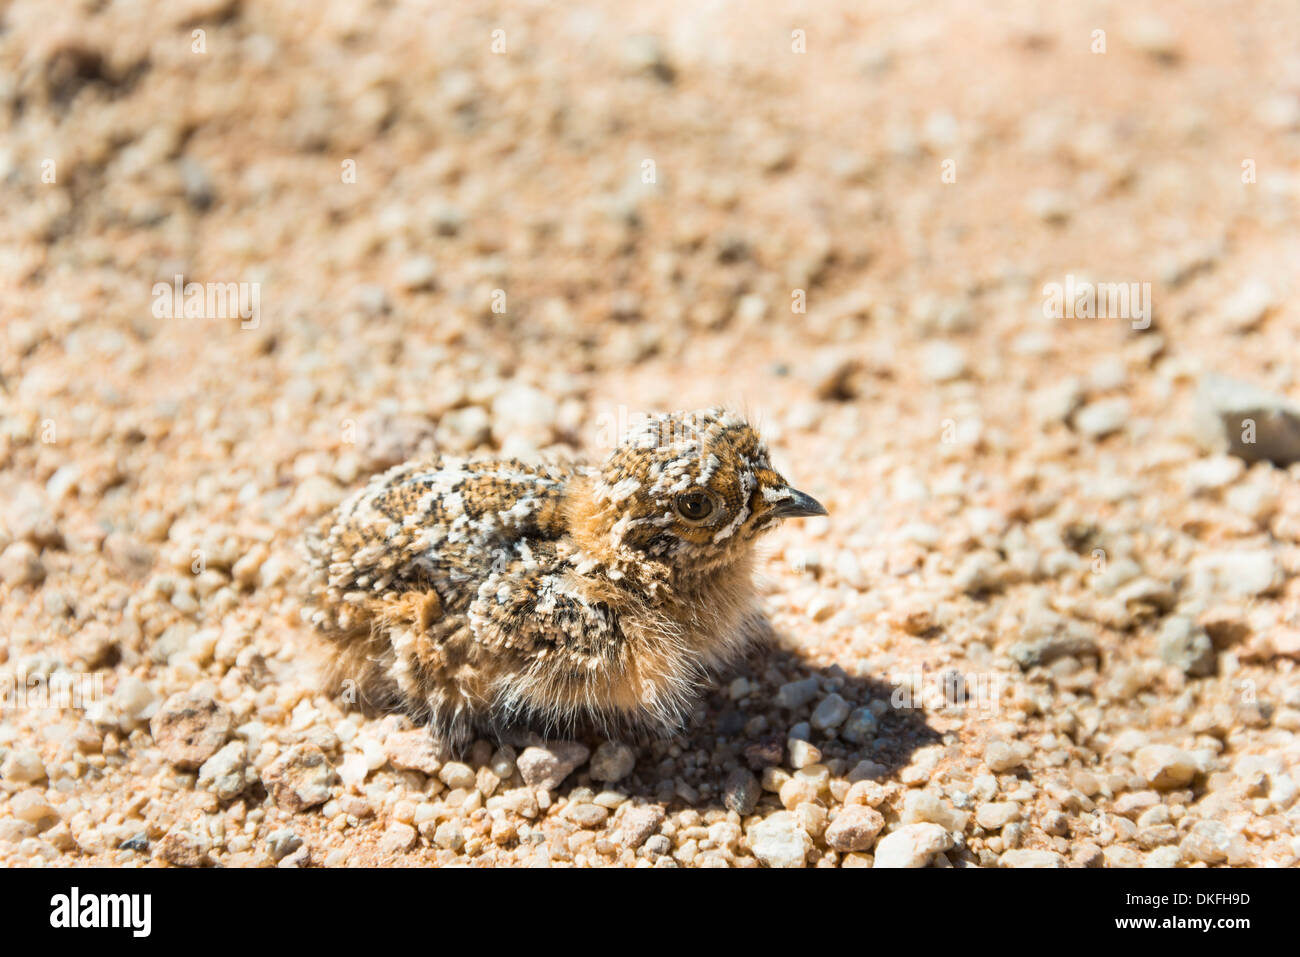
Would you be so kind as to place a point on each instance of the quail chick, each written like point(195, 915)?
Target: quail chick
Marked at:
point(480, 595)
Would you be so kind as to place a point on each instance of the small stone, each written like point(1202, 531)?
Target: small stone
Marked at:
point(928, 806)
point(182, 849)
point(1120, 855)
point(1247, 306)
point(612, 761)
point(1283, 643)
point(657, 845)
point(780, 841)
point(1247, 421)
point(1156, 835)
point(993, 816)
point(1086, 855)
point(1049, 205)
point(915, 617)
point(521, 801)
point(413, 751)
point(1005, 756)
point(1280, 112)
point(20, 564)
point(190, 728)
point(1186, 646)
point(911, 846)
point(860, 727)
point(386, 438)
point(796, 694)
point(356, 807)
point(867, 770)
point(417, 273)
point(644, 53)
point(1165, 767)
point(94, 645)
point(136, 842)
point(280, 844)
point(523, 412)
point(855, 828)
point(60, 837)
point(13, 831)
point(1154, 37)
point(1136, 803)
point(504, 832)
point(227, 773)
point(978, 572)
point(1045, 650)
point(589, 816)
point(545, 767)
point(832, 375)
point(942, 362)
point(802, 753)
point(1102, 418)
point(1028, 858)
point(23, 766)
point(638, 823)
point(866, 792)
point(31, 806)
point(1245, 573)
point(741, 792)
point(300, 779)
point(829, 713)
point(454, 774)
point(1212, 473)
point(1254, 500)
point(449, 836)
point(1207, 841)
point(1162, 857)
point(796, 791)
point(398, 838)
point(764, 753)
point(464, 429)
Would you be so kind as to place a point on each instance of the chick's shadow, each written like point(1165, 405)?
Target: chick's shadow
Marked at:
point(734, 734)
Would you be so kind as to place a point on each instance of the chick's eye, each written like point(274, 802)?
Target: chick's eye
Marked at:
point(694, 506)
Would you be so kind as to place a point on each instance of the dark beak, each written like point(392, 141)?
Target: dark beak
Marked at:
point(798, 505)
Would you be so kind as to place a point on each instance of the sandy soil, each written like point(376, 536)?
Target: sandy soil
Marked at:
point(474, 241)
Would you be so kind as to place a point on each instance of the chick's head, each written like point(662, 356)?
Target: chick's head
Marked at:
point(693, 489)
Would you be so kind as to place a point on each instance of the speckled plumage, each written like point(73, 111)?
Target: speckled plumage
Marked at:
point(476, 595)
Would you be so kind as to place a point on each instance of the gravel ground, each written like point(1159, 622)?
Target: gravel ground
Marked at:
point(1052, 618)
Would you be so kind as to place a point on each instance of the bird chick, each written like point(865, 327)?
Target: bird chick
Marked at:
point(477, 595)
